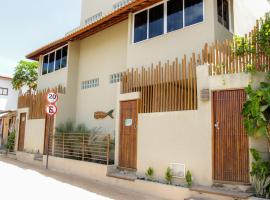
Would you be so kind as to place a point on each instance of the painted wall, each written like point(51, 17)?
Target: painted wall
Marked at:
point(248, 11)
point(34, 132)
point(100, 56)
point(174, 44)
point(10, 101)
point(92, 7)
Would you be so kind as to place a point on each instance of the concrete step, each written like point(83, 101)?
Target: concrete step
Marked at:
point(214, 193)
point(123, 174)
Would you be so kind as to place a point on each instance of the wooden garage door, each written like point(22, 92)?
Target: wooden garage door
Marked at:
point(21, 131)
point(231, 148)
point(128, 135)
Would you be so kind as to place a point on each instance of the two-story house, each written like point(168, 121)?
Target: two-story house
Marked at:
point(8, 106)
point(116, 36)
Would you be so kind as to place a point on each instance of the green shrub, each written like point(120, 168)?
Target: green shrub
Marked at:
point(150, 173)
point(189, 178)
point(11, 141)
point(168, 175)
point(260, 173)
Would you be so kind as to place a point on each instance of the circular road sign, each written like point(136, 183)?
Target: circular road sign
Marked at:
point(51, 110)
point(52, 97)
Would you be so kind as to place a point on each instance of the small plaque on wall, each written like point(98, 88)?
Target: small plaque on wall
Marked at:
point(205, 95)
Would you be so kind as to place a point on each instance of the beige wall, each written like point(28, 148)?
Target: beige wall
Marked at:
point(174, 44)
point(34, 132)
point(100, 56)
point(67, 102)
point(92, 7)
point(53, 79)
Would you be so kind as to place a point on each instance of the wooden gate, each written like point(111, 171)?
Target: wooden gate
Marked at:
point(21, 131)
point(49, 125)
point(128, 134)
point(230, 145)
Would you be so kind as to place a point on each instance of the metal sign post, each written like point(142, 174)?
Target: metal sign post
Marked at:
point(51, 110)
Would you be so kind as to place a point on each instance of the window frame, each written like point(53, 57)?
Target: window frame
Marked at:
point(55, 50)
point(2, 89)
point(165, 20)
point(230, 15)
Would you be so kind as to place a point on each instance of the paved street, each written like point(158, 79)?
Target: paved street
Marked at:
point(23, 181)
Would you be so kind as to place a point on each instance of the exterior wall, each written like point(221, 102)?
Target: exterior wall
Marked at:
point(174, 44)
point(92, 7)
point(100, 56)
point(67, 102)
point(248, 11)
point(10, 101)
point(53, 79)
point(34, 132)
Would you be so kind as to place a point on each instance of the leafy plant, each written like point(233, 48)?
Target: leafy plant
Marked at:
point(11, 141)
point(256, 111)
point(26, 74)
point(189, 178)
point(168, 175)
point(242, 45)
point(260, 175)
point(263, 37)
point(150, 173)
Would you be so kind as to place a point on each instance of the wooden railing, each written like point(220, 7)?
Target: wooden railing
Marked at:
point(36, 102)
point(84, 147)
point(172, 87)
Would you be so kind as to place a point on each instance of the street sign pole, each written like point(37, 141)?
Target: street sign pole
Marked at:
point(51, 110)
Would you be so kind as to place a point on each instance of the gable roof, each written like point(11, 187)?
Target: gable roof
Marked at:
point(105, 22)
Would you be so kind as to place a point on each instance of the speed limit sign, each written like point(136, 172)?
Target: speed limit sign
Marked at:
point(51, 110)
point(52, 97)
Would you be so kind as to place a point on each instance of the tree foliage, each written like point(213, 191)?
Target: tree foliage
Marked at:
point(26, 74)
point(256, 111)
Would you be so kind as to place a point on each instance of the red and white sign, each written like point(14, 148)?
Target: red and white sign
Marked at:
point(52, 97)
point(51, 109)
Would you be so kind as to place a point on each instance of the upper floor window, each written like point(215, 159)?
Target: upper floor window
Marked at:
point(55, 60)
point(3, 91)
point(224, 13)
point(166, 17)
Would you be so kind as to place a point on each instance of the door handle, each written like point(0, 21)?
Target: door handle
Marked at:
point(216, 125)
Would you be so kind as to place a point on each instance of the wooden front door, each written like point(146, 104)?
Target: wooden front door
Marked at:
point(230, 146)
point(49, 125)
point(128, 134)
point(21, 131)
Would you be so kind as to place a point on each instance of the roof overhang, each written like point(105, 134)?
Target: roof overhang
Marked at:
point(105, 22)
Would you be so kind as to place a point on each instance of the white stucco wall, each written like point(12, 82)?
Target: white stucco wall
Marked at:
point(10, 101)
point(101, 55)
point(246, 14)
point(34, 132)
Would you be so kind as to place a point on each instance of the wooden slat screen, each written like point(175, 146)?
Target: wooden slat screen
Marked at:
point(36, 102)
point(80, 146)
point(172, 87)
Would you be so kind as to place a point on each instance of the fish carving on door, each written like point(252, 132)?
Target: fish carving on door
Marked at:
point(103, 115)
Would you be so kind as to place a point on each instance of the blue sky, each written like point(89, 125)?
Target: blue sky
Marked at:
point(26, 25)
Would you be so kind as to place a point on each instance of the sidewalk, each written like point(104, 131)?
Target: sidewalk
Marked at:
point(24, 181)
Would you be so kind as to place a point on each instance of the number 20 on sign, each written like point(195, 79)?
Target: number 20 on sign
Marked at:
point(52, 98)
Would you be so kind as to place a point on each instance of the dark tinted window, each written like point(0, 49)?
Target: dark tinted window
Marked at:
point(58, 59)
point(175, 15)
point(193, 12)
point(45, 64)
point(226, 14)
point(140, 26)
point(220, 10)
point(64, 57)
point(156, 21)
point(51, 62)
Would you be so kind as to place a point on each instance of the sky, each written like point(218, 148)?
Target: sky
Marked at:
point(26, 25)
